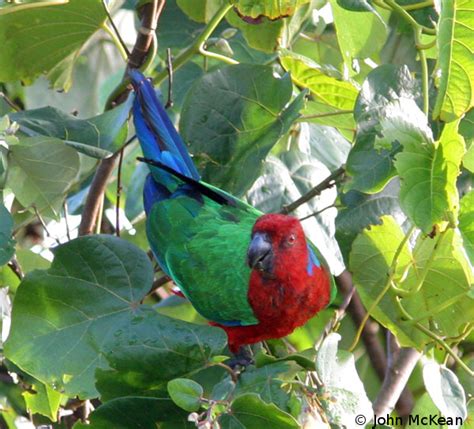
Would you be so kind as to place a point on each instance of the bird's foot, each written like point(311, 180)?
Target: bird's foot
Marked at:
point(242, 359)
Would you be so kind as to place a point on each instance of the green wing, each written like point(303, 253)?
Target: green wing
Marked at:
point(203, 247)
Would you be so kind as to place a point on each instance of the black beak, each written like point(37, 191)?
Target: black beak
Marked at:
point(259, 253)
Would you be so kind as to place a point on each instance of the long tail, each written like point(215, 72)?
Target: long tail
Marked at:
point(158, 138)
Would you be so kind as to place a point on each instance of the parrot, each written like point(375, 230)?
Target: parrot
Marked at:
point(254, 275)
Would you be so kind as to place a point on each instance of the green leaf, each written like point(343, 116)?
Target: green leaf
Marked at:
point(6, 6)
point(342, 393)
point(267, 382)
point(35, 40)
point(153, 349)
point(7, 243)
point(466, 129)
point(232, 118)
point(326, 89)
point(432, 262)
point(79, 317)
point(133, 412)
point(272, 9)
point(43, 400)
point(320, 113)
point(200, 10)
point(176, 30)
point(359, 36)
point(41, 170)
point(456, 60)
point(466, 223)
point(98, 137)
point(185, 393)
point(445, 390)
point(372, 169)
point(268, 35)
point(250, 412)
point(361, 210)
point(427, 170)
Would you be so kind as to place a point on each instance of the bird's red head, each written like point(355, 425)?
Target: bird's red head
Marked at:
point(276, 236)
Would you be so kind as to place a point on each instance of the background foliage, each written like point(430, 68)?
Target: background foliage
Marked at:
point(271, 97)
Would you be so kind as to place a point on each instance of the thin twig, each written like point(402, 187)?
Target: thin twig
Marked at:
point(119, 192)
point(9, 102)
point(117, 33)
point(43, 224)
point(317, 212)
point(16, 268)
point(327, 183)
point(169, 66)
point(68, 231)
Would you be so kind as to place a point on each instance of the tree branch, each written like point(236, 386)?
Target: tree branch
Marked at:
point(327, 183)
point(395, 381)
point(150, 13)
point(149, 18)
point(94, 197)
point(370, 339)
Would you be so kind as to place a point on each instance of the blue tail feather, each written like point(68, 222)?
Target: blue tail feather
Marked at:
point(158, 137)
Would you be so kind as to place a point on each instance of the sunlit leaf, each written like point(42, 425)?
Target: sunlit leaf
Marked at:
point(272, 9)
point(456, 60)
point(325, 88)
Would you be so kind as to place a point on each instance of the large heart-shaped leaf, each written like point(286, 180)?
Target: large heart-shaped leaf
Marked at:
point(232, 118)
point(46, 39)
point(425, 270)
point(41, 170)
point(456, 60)
point(86, 309)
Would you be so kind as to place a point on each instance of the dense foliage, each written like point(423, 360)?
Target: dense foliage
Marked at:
point(271, 97)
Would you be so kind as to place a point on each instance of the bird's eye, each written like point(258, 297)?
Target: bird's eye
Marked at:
point(291, 239)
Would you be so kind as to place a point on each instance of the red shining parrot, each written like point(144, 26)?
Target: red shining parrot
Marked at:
point(254, 275)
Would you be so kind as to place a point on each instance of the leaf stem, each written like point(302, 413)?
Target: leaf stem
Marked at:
point(390, 275)
point(304, 118)
point(121, 48)
point(424, 71)
point(436, 338)
point(198, 46)
point(407, 17)
point(115, 34)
